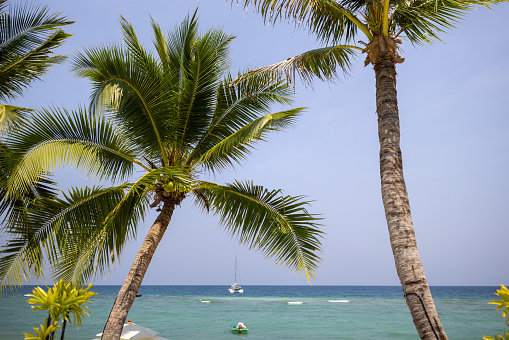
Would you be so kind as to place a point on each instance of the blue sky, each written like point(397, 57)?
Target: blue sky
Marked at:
point(454, 121)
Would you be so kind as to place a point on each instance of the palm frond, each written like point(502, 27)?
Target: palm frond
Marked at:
point(98, 252)
point(56, 138)
point(321, 63)
point(235, 147)
point(11, 117)
point(128, 91)
point(330, 20)
point(60, 228)
point(278, 225)
point(28, 35)
point(202, 72)
point(423, 20)
point(238, 105)
point(93, 246)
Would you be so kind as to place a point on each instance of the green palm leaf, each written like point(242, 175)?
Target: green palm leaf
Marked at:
point(330, 20)
point(55, 138)
point(236, 107)
point(28, 34)
point(321, 63)
point(11, 117)
point(278, 225)
point(64, 229)
point(235, 147)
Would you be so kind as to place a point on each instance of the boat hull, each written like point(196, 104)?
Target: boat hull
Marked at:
point(236, 330)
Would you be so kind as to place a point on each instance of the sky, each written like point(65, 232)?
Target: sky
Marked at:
point(454, 137)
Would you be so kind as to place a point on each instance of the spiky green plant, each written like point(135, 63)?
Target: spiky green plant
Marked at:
point(61, 301)
point(171, 116)
point(503, 304)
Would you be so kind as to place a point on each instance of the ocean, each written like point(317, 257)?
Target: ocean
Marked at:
point(272, 312)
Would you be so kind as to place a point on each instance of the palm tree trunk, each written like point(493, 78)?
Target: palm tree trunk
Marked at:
point(397, 208)
point(63, 328)
point(125, 298)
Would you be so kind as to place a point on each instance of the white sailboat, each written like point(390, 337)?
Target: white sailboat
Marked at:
point(235, 288)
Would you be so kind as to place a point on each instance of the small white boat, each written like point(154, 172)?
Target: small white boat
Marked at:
point(235, 288)
point(133, 331)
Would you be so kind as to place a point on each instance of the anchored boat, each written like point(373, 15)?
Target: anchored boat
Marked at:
point(235, 288)
point(239, 328)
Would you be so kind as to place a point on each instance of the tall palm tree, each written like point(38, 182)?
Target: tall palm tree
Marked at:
point(338, 23)
point(171, 117)
point(28, 36)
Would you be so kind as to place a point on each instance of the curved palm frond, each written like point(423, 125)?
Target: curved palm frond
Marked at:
point(28, 34)
point(55, 138)
point(235, 147)
point(59, 228)
point(279, 226)
point(92, 247)
point(238, 105)
point(321, 63)
point(98, 252)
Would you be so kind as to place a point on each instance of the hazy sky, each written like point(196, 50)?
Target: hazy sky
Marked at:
point(453, 104)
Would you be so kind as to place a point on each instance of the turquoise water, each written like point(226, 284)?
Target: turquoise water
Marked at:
point(326, 312)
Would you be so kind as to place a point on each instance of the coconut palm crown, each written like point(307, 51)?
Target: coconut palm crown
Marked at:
point(168, 118)
point(376, 28)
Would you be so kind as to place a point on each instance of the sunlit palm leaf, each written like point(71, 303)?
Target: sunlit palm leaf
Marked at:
point(127, 90)
point(11, 117)
point(97, 253)
point(55, 138)
point(91, 249)
point(278, 225)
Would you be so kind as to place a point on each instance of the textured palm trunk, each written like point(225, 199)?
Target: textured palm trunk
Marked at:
point(397, 208)
point(125, 298)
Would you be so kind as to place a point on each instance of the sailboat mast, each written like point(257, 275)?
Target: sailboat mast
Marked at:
point(235, 269)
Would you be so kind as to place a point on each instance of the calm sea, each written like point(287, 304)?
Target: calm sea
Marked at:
point(326, 312)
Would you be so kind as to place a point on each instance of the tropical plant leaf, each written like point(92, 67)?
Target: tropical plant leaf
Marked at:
point(235, 147)
point(11, 117)
point(321, 63)
point(54, 139)
point(278, 225)
point(331, 20)
point(62, 228)
point(237, 106)
point(28, 35)
point(503, 293)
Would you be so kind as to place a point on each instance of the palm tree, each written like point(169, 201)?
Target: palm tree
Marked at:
point(28, 36)
point(171, 117)
point(338, 23)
